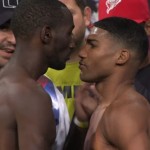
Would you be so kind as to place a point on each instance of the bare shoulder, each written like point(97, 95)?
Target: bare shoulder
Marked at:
point(25, 89)
point(30, 93)
point(126, 119)
point(31, 109)
point(129, 106)
point(24, 95)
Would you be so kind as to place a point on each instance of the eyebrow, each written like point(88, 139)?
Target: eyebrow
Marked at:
point(91, 40)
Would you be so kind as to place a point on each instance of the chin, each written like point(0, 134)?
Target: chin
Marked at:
point(59, 66)
point(3, 63)
point(83, 78)
point(86, 79)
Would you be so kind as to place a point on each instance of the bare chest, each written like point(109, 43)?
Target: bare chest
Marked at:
point(95, 139)
point(94, 122)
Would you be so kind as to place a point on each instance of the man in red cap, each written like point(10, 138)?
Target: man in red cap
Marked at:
point(139, 12)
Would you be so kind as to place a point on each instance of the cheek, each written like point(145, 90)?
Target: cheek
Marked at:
point(3, 36)
point(7, 35)
point(78, 23)
point(93, 63)
point(90, 73)
point(100, 62)
point(62, 43)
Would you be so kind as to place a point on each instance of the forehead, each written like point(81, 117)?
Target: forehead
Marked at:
point(71, 4)
point(68, 2)
point(98, 33)
point(68, 15)
point(67, 23)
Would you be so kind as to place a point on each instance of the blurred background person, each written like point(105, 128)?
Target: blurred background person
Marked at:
point(93, 4)
point(7, 39)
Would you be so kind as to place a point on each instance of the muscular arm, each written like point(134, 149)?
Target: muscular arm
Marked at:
point(127, 127)
point(34, 117)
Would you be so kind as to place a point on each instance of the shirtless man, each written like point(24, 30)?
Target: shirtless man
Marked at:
point(115, 49)
point(68, 79)
point(27, 121)
point(140, 14)
point(7, 47)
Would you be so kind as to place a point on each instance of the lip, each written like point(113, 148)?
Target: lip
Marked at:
point(6, 53)
point(81, 65)
point(9, 49)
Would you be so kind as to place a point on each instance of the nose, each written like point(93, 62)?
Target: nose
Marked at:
point(82, 52)
point(11, 38)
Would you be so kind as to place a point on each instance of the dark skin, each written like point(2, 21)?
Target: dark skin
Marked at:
point(26, 116)
point(25, 121)
point(120, 120)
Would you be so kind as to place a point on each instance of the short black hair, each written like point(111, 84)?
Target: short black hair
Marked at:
point(129, 33)
point(32, 14)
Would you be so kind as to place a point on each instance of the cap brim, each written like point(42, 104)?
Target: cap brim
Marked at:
point(5, 16)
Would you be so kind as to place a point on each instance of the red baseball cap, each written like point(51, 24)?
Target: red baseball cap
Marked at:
point(137, 10)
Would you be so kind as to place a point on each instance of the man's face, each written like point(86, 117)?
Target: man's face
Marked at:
point(62, 44)
point(98, 57)
point(81, 21)
point(7, 46)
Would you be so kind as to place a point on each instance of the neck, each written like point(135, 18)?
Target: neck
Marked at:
point(28, 61)
point(113, 86)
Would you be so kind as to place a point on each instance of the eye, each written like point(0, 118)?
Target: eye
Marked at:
point(91, 43)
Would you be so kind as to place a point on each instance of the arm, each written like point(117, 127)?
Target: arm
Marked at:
point(75, 138)
point(86, 101)
point(85, 104)
point(127, 127)
point(34, 117)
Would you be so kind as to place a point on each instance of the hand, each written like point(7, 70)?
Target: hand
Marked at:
point(86, 101)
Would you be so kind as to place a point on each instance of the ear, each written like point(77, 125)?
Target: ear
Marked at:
point(123, 57)
point(87, 15)
point(46, 34)
point(147, 27)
